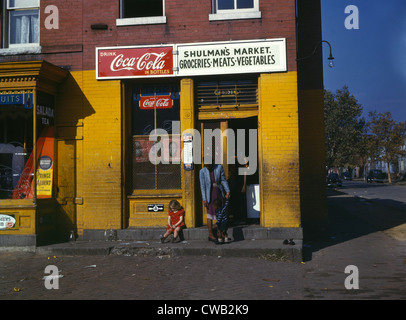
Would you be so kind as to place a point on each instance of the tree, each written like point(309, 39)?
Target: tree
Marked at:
point(387, 137)
point(344, 128)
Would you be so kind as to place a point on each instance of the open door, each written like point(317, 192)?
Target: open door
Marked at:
point(219, 148)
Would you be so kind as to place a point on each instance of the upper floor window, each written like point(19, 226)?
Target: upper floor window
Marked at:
point(135, 12)
point(235, 9)
point(21, 23)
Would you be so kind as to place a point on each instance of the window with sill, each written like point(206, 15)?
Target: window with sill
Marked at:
point(155, 144)
point(20, 23)
point(135, 12)
point(235, 9)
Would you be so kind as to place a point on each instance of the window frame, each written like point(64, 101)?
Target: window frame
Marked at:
point(19, 8)
point(140, 20)
point(171, 136)
point(6, 27)
point(234, 14)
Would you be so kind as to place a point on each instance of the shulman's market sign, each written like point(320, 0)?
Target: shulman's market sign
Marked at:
point(192, 59)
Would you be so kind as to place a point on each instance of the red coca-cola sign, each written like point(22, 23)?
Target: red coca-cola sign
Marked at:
point(116, 63)
point(159, 102)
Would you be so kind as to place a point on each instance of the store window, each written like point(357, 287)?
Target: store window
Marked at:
point(235, 9)
point(21, 23)
point(17, 145)
point(156, 137)
point(134, 12)
point(16, 142)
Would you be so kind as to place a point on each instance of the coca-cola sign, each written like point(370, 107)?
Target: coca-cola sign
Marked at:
point(159, 102)
point(119, 63)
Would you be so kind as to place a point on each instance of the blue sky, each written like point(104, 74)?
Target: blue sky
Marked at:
point(371, 61)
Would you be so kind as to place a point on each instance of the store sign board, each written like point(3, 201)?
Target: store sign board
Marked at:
point(158, 102)
point(255, 56)
point(192, 59)
point(17, 99)
point(134, 62)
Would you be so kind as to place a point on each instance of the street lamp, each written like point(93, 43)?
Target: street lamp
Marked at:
point(330, 57)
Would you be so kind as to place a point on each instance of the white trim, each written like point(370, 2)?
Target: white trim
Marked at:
point(140, 21)
point(16, 8)
point(234, 15)
point(21, 49)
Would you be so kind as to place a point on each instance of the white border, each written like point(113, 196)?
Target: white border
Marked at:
point(233, 70)
point(234, 16)
point(140, 21)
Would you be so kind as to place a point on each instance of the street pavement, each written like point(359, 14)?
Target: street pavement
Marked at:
point(389, 194)
point(365, 235)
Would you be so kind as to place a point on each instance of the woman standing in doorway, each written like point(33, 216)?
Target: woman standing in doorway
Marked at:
point(213, 185)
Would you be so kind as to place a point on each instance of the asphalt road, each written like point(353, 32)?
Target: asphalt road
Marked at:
point(388, 194)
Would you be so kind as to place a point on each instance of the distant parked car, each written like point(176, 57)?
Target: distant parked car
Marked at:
point(334, 181)
point(346, 176)
point(376, 176)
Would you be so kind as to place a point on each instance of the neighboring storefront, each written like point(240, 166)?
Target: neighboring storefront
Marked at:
point(27, 157)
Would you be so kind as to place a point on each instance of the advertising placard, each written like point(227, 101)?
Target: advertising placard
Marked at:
point(252, 56)
point(7, 221)
point(134, 62)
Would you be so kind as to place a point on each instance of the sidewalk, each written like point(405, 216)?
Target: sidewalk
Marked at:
point(247, 241)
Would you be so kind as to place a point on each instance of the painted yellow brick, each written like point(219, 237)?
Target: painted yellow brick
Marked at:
point(279, 150)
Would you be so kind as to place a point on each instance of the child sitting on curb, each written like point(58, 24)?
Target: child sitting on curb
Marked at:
point(175, 221)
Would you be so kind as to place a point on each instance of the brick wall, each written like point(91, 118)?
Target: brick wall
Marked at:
point(279, 150)
point(187, 21)
point(93, 110)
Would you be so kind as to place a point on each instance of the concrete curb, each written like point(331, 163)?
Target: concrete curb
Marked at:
point(272, 250)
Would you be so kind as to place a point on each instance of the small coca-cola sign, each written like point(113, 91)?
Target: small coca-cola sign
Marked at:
point(159, 102)
point(115, 63)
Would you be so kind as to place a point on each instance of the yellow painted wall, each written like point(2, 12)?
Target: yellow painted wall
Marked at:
point(279, 150)
point(91, 111)
point(139, 215)
point(187, 116)
point(25, 219)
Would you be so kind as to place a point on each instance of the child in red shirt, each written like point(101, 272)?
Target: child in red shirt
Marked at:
point(175, 221)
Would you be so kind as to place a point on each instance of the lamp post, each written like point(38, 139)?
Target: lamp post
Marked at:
point(330, 57)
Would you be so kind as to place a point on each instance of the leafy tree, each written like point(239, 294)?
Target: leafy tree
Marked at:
point(344, 129)
point(387, 138)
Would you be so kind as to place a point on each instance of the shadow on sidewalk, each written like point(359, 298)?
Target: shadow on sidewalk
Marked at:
point(352, 217)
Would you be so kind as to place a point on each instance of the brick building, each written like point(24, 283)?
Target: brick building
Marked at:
point(84, 83)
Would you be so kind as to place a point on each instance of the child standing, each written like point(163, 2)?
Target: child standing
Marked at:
point(222, 220)
point(175, 221)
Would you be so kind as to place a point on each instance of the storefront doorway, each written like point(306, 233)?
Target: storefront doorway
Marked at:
point(233, 143)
